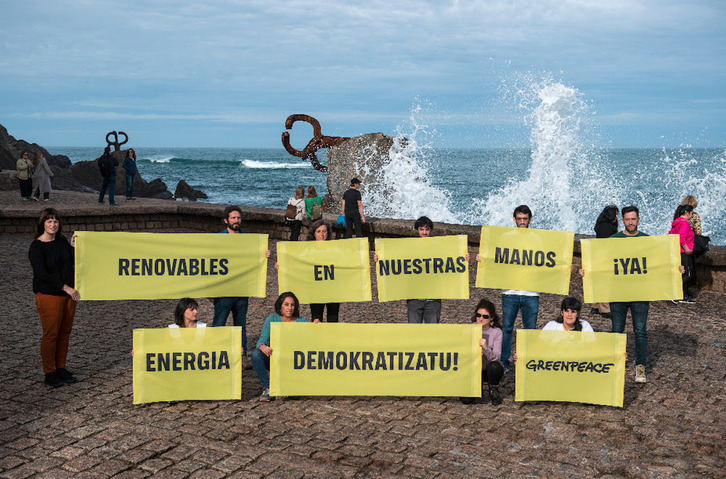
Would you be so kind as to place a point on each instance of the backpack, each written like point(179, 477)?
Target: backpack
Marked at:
point(316, 212)
point(105, 165)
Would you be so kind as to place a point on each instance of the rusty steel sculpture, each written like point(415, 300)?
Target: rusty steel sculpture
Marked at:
point(319, 141)
point(116, 144)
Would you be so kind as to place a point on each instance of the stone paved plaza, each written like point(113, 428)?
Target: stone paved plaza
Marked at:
point(673, 426)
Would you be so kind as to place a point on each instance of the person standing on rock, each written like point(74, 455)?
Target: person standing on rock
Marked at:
point(107, 166)
point(295, 213)
point(129, 165)
point(42, 177)
point(353, 210)
point(25, 175)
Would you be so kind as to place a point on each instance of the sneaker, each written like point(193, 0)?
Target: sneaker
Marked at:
point(494, 395)
point(466, 401)
point(133, 197)
point(265, 397)
point(66, 376)
point(128, 197)
point(687, 300)
point(52, 380)
point(675, 301)
point(594, 311)
point(639, 373)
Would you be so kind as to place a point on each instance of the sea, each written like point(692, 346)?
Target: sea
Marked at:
point(565, 174)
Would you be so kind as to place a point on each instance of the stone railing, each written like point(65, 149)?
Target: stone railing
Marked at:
point(177, 216)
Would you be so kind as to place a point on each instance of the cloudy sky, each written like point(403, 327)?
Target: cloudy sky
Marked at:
point(228, 73)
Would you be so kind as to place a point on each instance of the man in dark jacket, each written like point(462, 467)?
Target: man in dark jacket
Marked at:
point(107, 165)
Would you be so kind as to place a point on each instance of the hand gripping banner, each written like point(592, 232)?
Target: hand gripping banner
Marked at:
point(325, 271)
point(643, 268)
point(177, 364)
point(335, 359)
point(570, 366)
point(169, 265)
point(525, 259)
point(422, 268)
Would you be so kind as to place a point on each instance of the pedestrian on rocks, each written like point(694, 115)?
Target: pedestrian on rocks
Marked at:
point(52, 259)
point(352, 208)
point(107, 166)
point(313, 205)
point(25, 175)
point(295, 213)
point(682, 227)
point(485, 314)
point(606, 225)
point(41, 177)
point(695, 220)
point(129, 165)
point(287, 310)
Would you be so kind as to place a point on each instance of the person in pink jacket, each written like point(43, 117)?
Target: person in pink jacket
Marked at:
point(682, 228)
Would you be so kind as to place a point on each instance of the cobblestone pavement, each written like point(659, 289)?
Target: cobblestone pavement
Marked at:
point(673, 426)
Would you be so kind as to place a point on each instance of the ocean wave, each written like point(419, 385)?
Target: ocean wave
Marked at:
point(270, 165)
point(159, 159)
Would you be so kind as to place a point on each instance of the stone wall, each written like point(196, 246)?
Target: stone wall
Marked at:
point(177, 216)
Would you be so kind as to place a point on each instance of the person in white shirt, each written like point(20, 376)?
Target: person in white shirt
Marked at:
point(185, 314)
point(569, 319)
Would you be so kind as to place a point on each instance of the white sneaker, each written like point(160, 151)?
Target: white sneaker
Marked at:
point(639, 373)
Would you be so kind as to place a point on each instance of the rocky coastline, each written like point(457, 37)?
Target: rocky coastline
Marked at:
point(84, 176)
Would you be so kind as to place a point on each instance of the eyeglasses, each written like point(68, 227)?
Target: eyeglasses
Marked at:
point(483, 316)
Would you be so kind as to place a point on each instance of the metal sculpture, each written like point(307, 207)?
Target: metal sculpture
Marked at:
point(115, 143)
point(319, 141)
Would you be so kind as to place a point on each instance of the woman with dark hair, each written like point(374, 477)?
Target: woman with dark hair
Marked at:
point(606, 225)
point(295, 213)
point(25, 175)
point(687, 238)
point(569, 318)
point(320, 231)
point(129, 165)
point(287, 310)
point(185, 314)
point(491, 345)
point(52, 259)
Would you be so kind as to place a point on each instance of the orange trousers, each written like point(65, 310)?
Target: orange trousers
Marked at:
point(56, 317)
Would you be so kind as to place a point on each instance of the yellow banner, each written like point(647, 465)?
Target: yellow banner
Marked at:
point(180, 364)
point(169, 265)
point(525, 259)
point(325, 271)
point(422, 268)
point(570, 366)
point(643, 268)
point(335, 359)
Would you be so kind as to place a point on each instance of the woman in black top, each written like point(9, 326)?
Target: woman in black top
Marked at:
point(51, 256)
point(606, 225)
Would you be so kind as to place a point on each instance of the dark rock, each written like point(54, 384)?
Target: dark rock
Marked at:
point(82, 176)
point(11, 149)
point(186, 192)
point(362, 157)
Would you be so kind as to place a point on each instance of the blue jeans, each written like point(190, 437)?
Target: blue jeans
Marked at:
point(130, 180)
point(238, 307)
point(511, 304)
point(639, 313)
point(110, 183)
point(261, 365)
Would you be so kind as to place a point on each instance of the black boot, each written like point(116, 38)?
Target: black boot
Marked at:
point(52, 380)
point(494, 394)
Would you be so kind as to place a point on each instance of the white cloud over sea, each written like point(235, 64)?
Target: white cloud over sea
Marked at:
point(177, 69)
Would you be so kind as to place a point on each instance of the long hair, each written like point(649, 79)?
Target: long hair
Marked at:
point(181, 307)
point(129, 152)
point(37, 157)
point(574, 304)
point(278, 304)
point(299, 192)
point(690, 200)
point(682, 210)
point(317, 224)
point(489, 306)
point(312, 192)
point(48, 213)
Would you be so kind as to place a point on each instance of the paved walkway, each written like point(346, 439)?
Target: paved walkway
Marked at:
point(673, 426)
